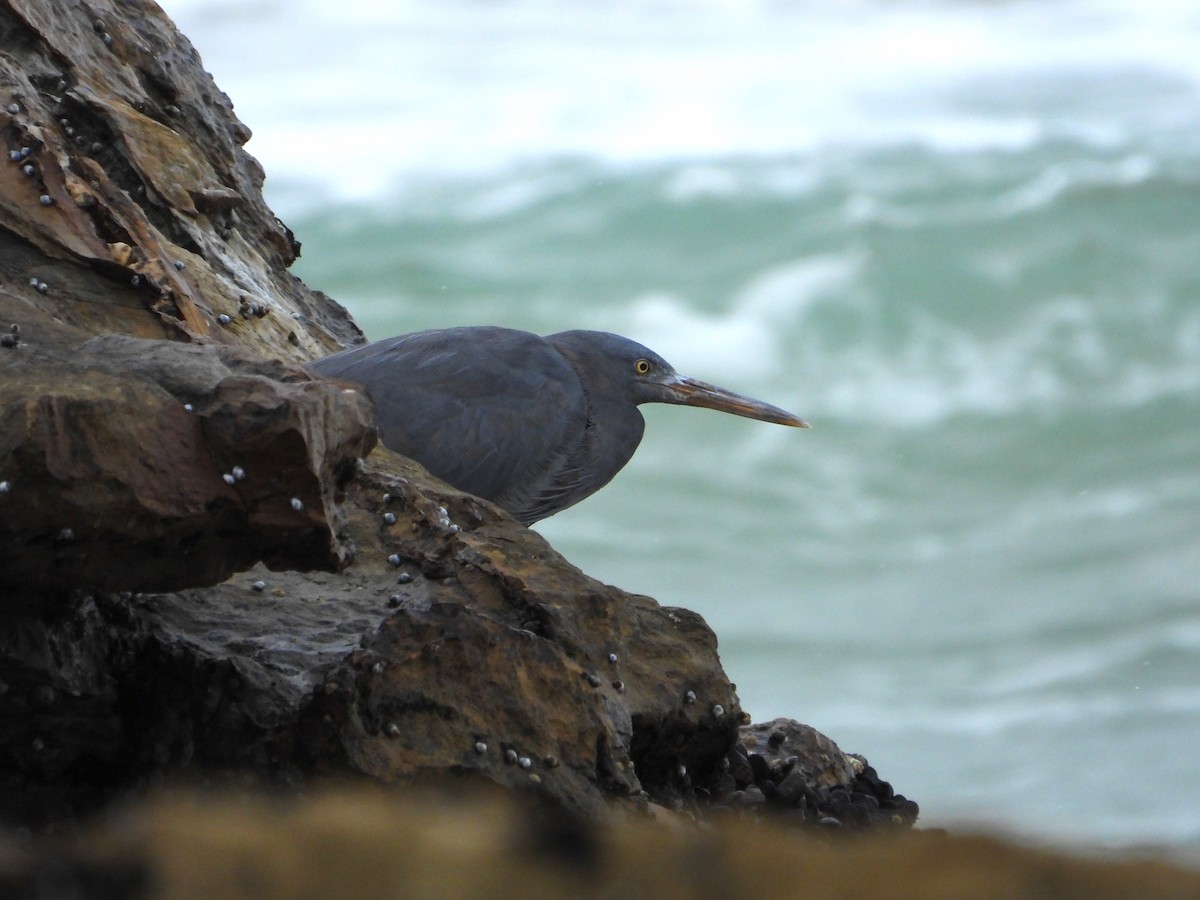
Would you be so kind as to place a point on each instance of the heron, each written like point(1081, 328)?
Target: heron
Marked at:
point(532, 424)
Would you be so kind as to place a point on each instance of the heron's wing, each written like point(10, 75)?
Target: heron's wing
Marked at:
point(488, 410)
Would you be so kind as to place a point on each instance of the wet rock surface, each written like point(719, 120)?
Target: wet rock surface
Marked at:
point(457, 643)
point(791, 769)
point(134, 464)
point(126, 193)
point(497, 657)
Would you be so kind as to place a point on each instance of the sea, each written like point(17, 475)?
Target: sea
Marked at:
point(961, 237)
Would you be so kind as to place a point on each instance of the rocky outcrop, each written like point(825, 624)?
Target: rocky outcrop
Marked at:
point(204, 567)
point(126, 199)
point(791, 768)
point(499, 658)
point(456, 643)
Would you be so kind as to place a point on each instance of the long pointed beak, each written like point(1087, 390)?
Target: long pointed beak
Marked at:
point(690, 392)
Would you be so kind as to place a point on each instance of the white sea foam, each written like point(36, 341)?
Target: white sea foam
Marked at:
point(364, 94)
point(1060, 355)
point(748, 339)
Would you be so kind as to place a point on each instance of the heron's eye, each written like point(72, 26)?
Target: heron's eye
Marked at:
point(642, 366)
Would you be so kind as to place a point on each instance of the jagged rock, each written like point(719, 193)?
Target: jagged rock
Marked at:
point(119, 458)
point(784, 766)
point(141, 212)
point(494, 640)
point(501, 659)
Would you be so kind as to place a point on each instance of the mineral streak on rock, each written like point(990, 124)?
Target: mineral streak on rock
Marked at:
point(136, 148)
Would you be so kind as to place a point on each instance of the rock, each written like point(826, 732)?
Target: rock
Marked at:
point(375, 844)
point(819, 761)
point(156, 223)
point(802, 773)
point(116, 484)
point(320, 676)
point(495, 643)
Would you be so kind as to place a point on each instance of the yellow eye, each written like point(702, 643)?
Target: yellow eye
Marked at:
point(642, 366)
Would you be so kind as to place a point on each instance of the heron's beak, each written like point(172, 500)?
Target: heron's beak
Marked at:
point(690, 392)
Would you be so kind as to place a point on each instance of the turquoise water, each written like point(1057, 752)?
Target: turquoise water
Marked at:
point(961, 239)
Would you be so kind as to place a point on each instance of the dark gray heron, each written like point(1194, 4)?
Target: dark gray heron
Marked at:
point(533, 424)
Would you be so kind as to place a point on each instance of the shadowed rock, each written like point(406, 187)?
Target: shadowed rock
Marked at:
point(482, 634)
point(140, 465)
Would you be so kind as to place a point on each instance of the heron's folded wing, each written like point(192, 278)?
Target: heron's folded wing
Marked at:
point(485, 409)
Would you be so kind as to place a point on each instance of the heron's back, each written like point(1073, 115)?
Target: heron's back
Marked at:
point(495, 412)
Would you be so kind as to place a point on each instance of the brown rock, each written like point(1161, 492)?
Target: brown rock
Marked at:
point(498, 641)
point(113, 484)
point(154, 222)
point(818, 760)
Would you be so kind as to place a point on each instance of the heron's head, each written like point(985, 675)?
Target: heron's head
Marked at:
point(616, 367)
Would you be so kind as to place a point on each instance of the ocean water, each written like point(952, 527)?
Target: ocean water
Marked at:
point(961, 238)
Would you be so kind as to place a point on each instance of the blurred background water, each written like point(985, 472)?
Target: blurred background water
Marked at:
point(960, 237)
